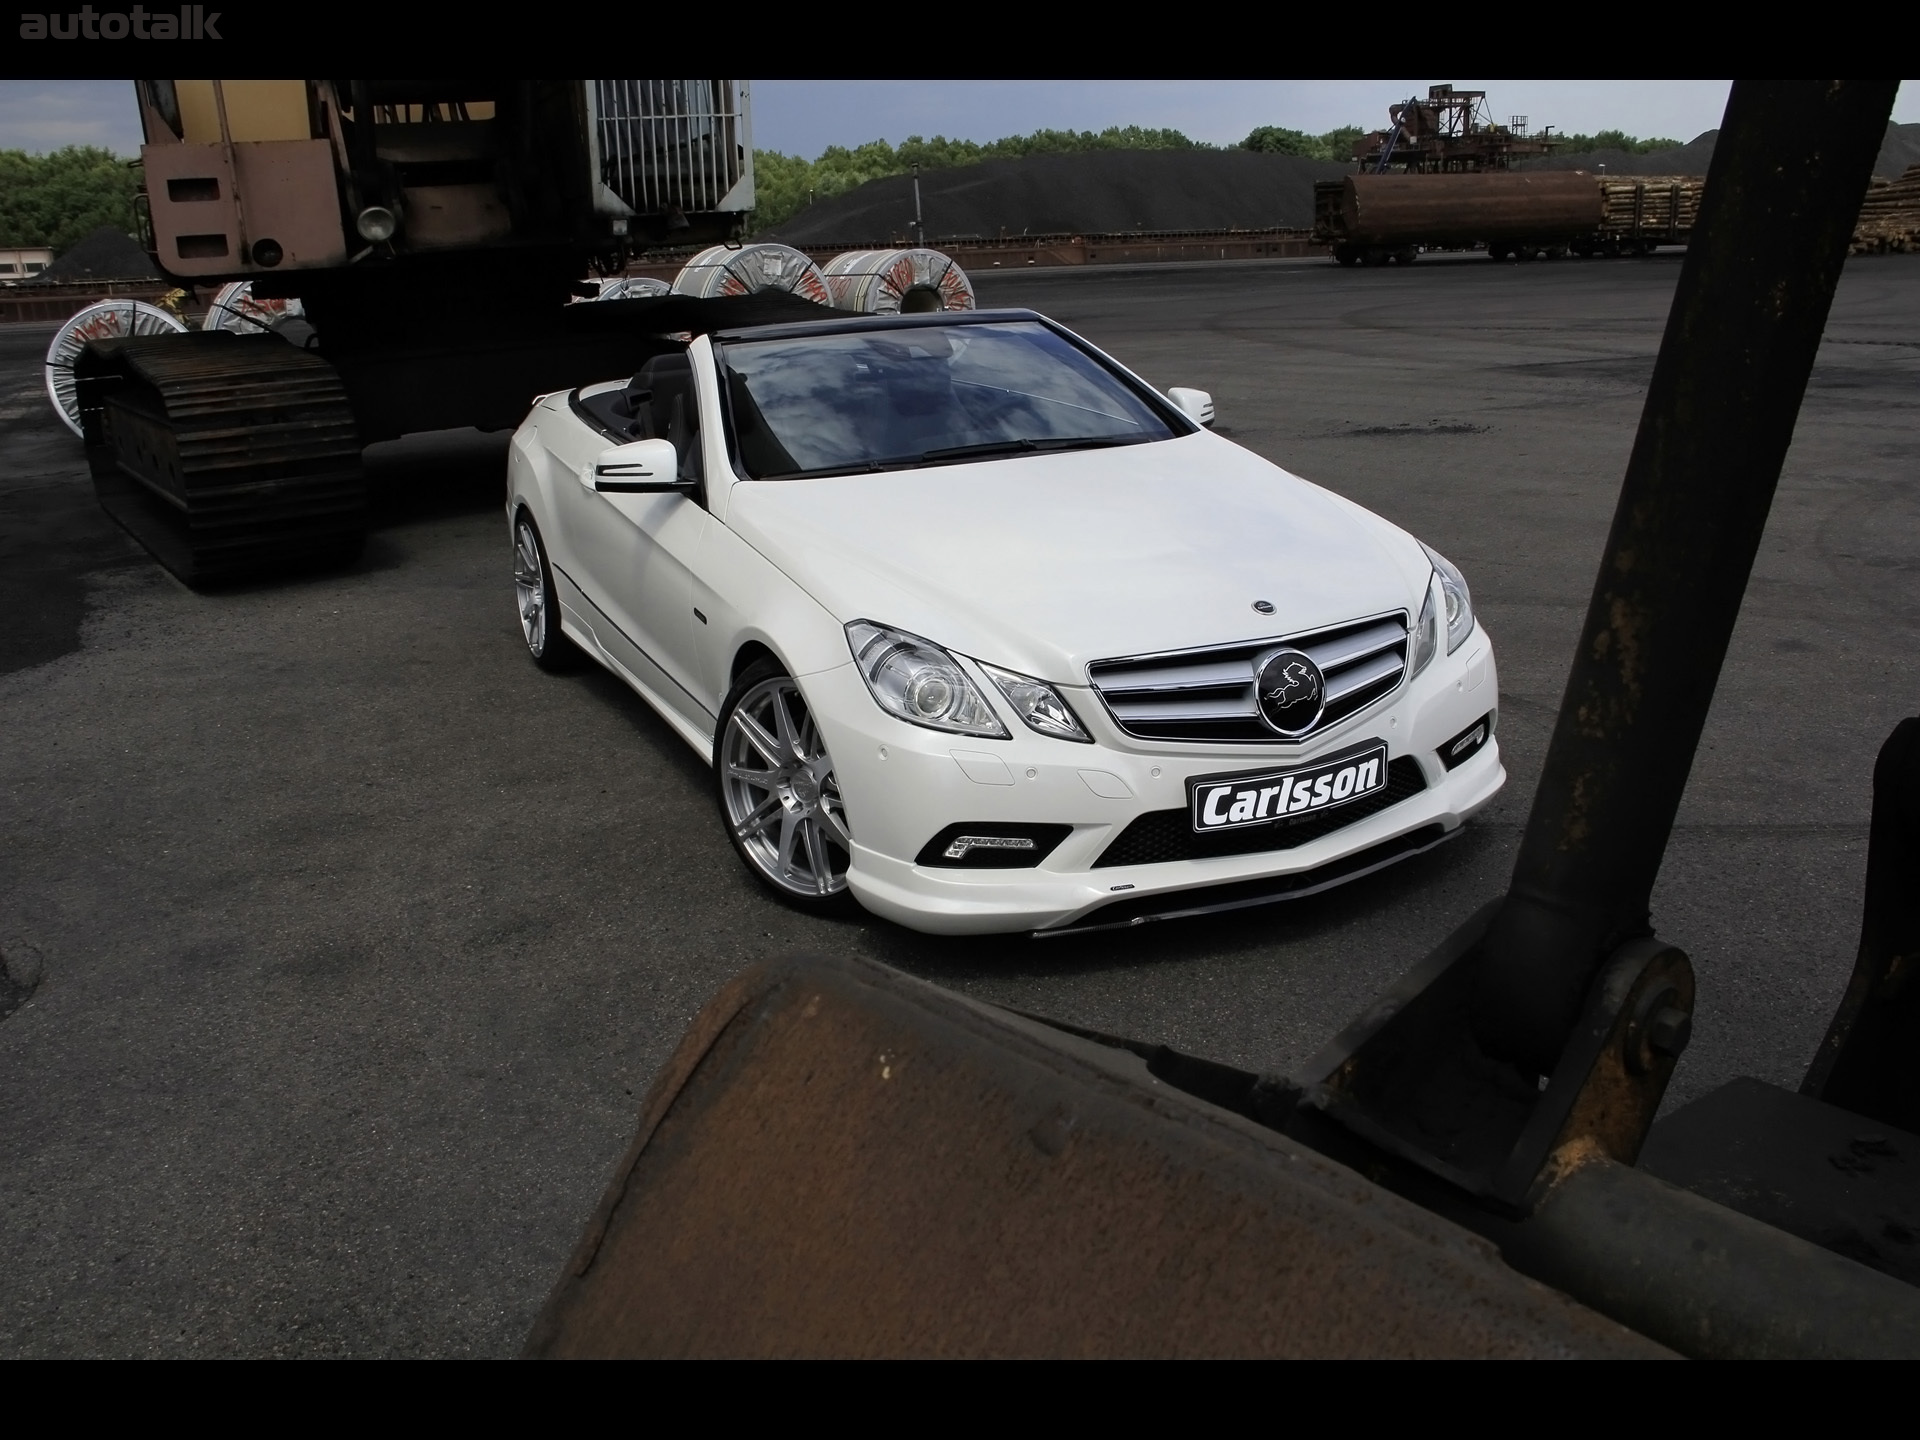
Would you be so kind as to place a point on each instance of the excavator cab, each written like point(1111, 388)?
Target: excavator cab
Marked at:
point(433, 233)
point(251, 178)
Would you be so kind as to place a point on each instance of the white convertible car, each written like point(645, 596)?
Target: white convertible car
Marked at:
point(981, 630)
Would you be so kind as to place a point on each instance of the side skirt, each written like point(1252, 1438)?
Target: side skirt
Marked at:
point(580, 621)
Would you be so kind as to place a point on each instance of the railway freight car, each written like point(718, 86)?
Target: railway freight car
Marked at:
point(1374, 219)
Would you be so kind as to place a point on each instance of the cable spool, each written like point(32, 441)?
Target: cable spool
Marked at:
point(898, 282)
point(718, 271)
point(632, 287)
point(238, 309)
point(107, 320)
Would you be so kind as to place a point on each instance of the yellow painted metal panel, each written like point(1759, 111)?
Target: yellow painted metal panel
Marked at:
point(256, 110)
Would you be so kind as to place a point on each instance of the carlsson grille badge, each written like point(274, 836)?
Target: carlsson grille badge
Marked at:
point(1291, 692)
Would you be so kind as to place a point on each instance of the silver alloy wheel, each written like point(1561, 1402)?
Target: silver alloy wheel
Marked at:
point(782, 798)
point(530, 588)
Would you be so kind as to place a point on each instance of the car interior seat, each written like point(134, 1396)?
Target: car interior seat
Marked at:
point(673, 412)
point(658, 403)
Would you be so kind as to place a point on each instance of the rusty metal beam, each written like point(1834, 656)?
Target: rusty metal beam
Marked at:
point(1782, 194)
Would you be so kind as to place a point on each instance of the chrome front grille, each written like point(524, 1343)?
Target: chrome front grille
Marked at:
point(1208, 694)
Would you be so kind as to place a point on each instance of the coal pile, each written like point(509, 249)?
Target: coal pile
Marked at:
point(1901, 149)
point(1090, 192)
point(105, 254)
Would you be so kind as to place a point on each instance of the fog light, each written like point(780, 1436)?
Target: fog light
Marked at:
point(991, 846)
point(267, 253)
point(376, 223)
point(1468, 743)
point(958, 849)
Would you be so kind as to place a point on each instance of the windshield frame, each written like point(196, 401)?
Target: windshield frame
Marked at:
point(1174, 419)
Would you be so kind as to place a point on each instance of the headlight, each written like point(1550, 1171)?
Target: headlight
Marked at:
point(1426, 633)
point(1454, 599)
point(1038, 704)
point(376, 223)
point(919, 682)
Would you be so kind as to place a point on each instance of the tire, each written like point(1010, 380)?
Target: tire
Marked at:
point(538, 603)
point(1347, 254)
point(779, 798)
point(1373, 255)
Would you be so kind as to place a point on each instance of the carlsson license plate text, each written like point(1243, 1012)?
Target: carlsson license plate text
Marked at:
point(1227, 802)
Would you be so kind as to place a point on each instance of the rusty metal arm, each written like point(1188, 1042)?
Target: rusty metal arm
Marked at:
point(1553, 1018)
point(1781, 199)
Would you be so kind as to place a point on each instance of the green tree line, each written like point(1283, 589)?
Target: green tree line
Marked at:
point(1275, 140)
point(58, 198)
point(1338, 144)
point(1614, 140)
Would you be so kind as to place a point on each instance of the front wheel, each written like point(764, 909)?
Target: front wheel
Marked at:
point(539, 606)
point(779, 795)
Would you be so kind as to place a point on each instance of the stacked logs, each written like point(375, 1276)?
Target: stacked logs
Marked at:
point(1889, 217)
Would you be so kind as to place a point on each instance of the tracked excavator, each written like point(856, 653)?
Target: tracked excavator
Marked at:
point(841, 1159)
point(434, 233)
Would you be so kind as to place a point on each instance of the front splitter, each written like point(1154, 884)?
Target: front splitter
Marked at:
point(1246, 894)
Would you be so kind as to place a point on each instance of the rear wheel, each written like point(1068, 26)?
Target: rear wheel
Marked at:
point(539, 606)
point(778, 792)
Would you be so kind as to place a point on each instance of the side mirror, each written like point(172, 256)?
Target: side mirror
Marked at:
point(1196, 405)
point(640, 467)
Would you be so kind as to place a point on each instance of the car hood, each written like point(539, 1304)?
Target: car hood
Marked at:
point(1041, 563)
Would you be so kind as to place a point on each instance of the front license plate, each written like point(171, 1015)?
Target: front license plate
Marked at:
point(1228, 802)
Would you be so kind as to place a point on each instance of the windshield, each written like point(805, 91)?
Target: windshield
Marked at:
point(887, 399)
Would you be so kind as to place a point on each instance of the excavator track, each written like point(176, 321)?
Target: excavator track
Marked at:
point(224, 455)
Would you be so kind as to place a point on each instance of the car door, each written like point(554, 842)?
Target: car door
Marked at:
point(632, 552)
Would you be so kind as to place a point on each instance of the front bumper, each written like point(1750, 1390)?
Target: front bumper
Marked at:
point(902, 784)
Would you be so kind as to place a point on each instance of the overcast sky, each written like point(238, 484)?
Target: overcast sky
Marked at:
point(803, 117)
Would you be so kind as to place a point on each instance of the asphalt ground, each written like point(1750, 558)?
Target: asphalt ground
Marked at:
point(341, 941)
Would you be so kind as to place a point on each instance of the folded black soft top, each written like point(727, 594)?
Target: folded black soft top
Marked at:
point(672, 314)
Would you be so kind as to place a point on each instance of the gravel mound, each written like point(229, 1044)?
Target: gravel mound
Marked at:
point(1090, 192)
point(1900, 149)
point(105, 254)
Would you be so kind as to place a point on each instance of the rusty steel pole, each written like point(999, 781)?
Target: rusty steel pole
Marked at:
point(1782, 196)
